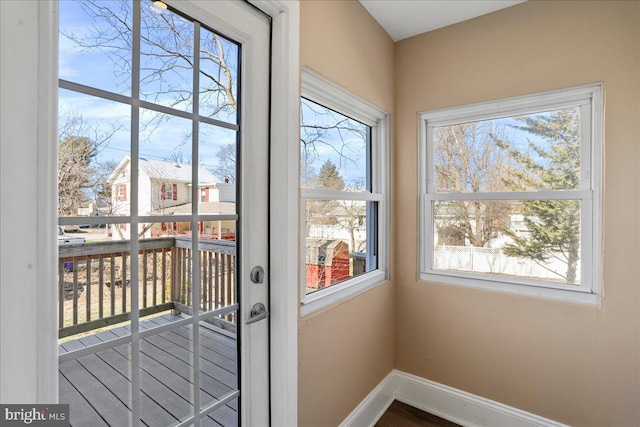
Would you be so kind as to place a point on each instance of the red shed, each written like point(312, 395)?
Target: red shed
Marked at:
point(327, 262)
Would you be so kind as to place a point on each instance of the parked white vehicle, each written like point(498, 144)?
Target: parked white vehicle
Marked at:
point(63, 239)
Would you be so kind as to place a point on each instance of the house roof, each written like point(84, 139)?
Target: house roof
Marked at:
point(167, 171)
point(212, 208)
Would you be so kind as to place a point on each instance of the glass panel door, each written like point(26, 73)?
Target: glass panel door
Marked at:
point(162, 110)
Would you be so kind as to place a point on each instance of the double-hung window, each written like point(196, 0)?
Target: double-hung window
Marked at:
point(510, 194)
point(344, 189)
point(169, 191)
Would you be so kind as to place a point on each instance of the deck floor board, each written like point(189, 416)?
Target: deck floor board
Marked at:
point(215, 345)
point(83, 412)
point(172, 402)
point(211, 369)
point(185, 342)
point(103, 401)
point(98, 386)
point(152, 414)
point(154, 395)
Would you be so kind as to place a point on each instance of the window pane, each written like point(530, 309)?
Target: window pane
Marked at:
point(520, 153)
point(98, 388)
point(156, 267)
point(217, 177)
point(164, 166)
point(219, 60)
point(532, 239)
point(166, 55)
point(95, 44)
point(337, 244)
point(334, 150)
point(93, 278)
point(94, 137)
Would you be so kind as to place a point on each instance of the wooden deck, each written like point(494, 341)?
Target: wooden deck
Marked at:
point(98, 386)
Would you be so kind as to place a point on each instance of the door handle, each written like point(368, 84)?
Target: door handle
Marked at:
point(258, 312)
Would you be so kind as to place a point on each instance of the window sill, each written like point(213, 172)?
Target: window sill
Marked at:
point(335, 294)
point(564, 295)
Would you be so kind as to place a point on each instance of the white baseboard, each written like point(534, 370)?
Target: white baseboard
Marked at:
point(446, 402)
point(369, 411)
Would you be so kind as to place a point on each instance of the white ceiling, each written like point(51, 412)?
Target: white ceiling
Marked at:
point(406, 18)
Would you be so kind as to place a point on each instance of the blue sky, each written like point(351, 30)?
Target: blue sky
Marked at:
point(346, 149)
point(106, 68)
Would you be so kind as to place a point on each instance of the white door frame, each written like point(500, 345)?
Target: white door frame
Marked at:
point(284, 299)
point(284, 198)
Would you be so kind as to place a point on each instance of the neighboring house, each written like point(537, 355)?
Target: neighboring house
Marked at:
point(450, 226)
point(346, 221)
point(89, 210)
point(225, 230)
point(165, 189)
point(97, 207)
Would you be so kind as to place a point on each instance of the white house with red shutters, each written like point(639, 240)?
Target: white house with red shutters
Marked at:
point(165, 189)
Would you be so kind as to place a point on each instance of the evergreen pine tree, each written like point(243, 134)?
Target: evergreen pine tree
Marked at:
point(553, 163)
point(329, 177)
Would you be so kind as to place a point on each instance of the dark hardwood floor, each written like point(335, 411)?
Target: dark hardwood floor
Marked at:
point(403, 415)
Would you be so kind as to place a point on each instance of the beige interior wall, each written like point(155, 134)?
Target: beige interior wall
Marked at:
point(571, 363)
point(346, 350)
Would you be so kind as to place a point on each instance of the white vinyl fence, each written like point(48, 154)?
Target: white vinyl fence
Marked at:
point(493, 260)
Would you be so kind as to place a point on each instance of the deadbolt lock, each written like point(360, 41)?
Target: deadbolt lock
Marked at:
point(257, 274)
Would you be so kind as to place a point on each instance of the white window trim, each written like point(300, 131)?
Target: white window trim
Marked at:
point(317, 89)
point(589, 97)
point(120, 193)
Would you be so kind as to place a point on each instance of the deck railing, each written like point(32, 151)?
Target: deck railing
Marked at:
point(94, 280)
point(217, 274)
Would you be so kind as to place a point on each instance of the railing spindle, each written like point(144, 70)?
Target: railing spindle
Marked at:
point(124, 282)
point(113, 284)
point(218, 286)
point(223, 291)
point(144, 280)
point(61, 294)
point(88, 290)
point(189, 277)
point(203, 281)
point(75, 290)
point(155, 278)
point(181, 278)
point(100, 286)
point(181, 265)
point(231, 287)
point(186, 277)
point(210, 268)
point(174, 274)
point(232, 284)
point(164, 274)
